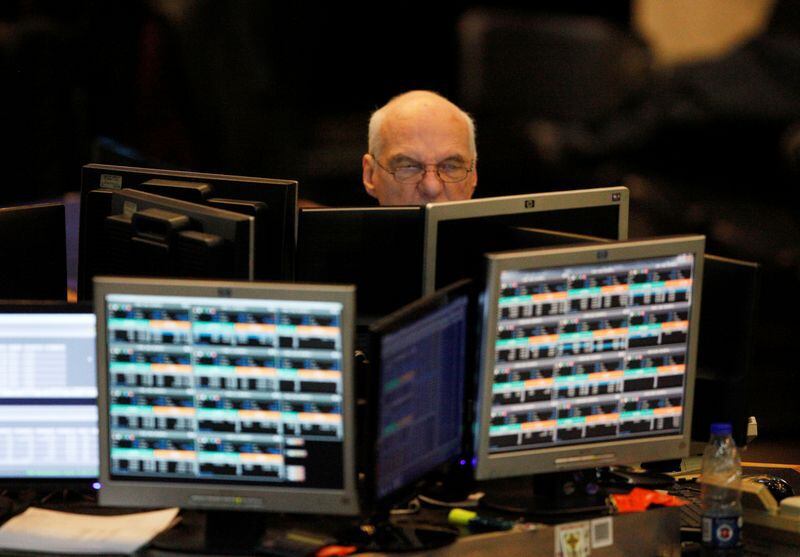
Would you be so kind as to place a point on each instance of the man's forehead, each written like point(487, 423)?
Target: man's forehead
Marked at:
point(425, 137)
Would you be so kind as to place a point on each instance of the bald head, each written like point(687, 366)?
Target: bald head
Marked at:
point(424, 129)
point(416, 107)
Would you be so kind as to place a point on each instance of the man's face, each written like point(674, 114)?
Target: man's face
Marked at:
point(432, 139)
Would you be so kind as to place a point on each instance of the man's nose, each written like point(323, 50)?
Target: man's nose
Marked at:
point(430, 184)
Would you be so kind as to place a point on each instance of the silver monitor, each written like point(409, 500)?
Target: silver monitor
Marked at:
point(458, 233)
point(226, 395)
point(588, 356)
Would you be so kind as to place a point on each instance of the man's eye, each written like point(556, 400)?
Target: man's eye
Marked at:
point(451, 167)
point(406, 167)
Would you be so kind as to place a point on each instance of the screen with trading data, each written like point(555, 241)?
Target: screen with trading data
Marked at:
point(48, 393)
point(421, 395)
point(245, 391)
point(589, 353)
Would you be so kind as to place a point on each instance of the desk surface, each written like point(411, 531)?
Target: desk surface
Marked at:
point(774, 451)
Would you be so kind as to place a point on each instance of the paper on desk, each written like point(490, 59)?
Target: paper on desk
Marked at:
point(60, 532)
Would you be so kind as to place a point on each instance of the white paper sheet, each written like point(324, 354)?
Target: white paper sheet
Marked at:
point(60, 532)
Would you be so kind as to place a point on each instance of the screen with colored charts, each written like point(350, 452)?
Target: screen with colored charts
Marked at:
point(244, 391)
point(590, 353)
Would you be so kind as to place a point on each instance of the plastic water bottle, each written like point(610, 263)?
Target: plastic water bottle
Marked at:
point(720, 498)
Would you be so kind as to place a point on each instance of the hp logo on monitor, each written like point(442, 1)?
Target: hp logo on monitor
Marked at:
point(530, 203)
point(602, 255)
point(224, 292)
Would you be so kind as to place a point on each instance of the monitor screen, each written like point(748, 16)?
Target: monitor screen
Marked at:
point(459, 233)
point(379, 249)
point(226, 395)
point(421, 356)
point(48, 412)
point(588, 356)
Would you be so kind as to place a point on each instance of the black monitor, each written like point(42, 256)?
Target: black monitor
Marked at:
point(48, 396)
point(416, 387)
point(33, 253)
point(588, 356)
point(458, 233)
point(379, 249)
point(153, 235)
point(272, 203)
point(731, 291)
point(226, 396)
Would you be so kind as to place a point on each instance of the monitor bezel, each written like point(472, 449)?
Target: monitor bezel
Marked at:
point(603, 453)
point(196, 495)
point(515, 204)
point(389, 324)
point(46, 483)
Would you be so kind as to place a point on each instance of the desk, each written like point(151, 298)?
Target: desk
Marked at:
point(652, 533)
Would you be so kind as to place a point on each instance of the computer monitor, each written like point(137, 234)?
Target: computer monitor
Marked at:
point(272, 203)
point(33, 252)
point(458, 233)
point(152, 235)
point(731, 292)
point(379, 249)
point(588, 356)
point(226, 396)
point(420, 369)
point(48, 396)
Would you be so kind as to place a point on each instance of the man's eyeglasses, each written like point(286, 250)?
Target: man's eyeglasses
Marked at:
point(410, 171)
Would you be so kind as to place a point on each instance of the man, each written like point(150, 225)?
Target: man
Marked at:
point(421, 150)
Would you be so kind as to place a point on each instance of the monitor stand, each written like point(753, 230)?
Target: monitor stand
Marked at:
point(549, 497)
point(453, 484)
point(624, 477)
point(214, 532)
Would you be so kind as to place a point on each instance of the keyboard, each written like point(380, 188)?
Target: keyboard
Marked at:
point(689, 490)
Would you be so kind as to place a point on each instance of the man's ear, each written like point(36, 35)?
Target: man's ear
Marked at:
point(474, 180)
point(367, 172)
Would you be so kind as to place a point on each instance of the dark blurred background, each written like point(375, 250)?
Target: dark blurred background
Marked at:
point(693, 104)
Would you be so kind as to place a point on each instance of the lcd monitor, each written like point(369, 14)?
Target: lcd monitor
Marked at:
point(731, 292)
point(588, 356)
point(272, 203)
point(379, 249)
point(420, 369)
point(458, 233)
point(226, 396)
point(48, 400)
point(726, 337)
point(33, 252)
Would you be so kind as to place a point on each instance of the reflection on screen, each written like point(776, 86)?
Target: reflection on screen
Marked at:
point(422, 387)
point(225, 390)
